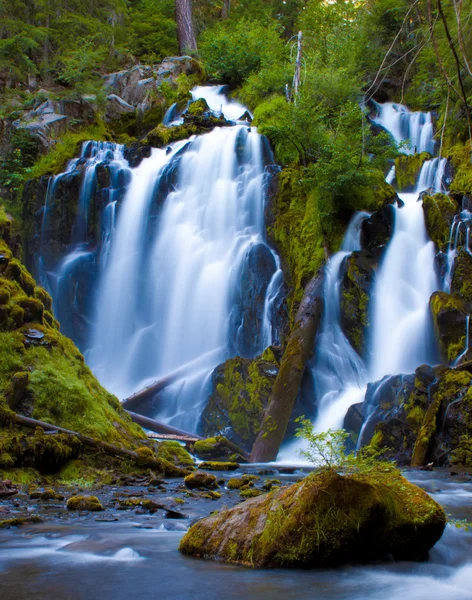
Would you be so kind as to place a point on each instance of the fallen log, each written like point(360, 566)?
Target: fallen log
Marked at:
point(158, 427)
point(7, 489)
point(88, 441)
point(160, 384)
point(292, 366)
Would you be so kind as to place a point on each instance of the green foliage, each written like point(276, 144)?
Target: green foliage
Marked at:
point(152, 30)
point(232, 52)
point(326, 450)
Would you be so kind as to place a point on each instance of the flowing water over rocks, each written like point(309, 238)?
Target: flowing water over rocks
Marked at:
point(400, 333)
point(137, 554)
point(180, 273)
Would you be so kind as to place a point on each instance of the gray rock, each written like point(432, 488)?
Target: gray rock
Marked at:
point(117, 107)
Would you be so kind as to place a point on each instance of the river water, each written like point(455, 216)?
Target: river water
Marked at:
point(85, 559)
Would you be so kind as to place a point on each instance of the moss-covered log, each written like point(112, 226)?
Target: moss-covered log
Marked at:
point(299, 349)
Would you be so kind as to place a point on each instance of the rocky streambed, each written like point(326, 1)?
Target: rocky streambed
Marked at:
point(130, 548)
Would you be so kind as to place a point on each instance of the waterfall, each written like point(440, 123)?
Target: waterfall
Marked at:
point(401, 337)
point(184, 276)
point(458, 238)
point(413, 131)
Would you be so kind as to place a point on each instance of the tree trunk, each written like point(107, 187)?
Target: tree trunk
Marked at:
point(185, 30)
point(225, 9)
point(298, 351)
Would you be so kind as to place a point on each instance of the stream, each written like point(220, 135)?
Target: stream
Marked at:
point(136, 557)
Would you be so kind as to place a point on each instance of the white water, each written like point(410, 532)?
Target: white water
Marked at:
point(401, 328)
point(167, 298)
point(218, 102)
point(413, 130)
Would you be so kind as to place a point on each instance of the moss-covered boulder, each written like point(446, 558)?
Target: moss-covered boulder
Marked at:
point(240, 391)
point(439, 211)
point(88, 503)
point(174, 453)
point(198, 107)
point(461, 282)
point(218, 466)
point(325, 519)
point(407, 169)
point(450, 322)
point(218, 448)
point(45, 494)
point(200, 479)
point(44, 376)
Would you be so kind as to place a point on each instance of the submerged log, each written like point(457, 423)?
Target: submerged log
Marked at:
point(158, 427)
point(160, 384)
point(298, 351)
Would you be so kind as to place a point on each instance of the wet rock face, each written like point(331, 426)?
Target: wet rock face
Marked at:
point(418, 418)
point(136, 90)
point(450, 319)
point(248, 306)
point(439, 212)
point(323, 520)
point(377, 230)
point(355, 294)
point(461, 284)
point(240, 393)
point(392, 414)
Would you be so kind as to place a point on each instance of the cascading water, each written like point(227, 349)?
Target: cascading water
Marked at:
point(185, 277)
point(402, 336)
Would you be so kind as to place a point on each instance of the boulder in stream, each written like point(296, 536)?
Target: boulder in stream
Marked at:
point(324, 520)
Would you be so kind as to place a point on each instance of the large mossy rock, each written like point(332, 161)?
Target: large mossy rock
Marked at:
point(407, 169)
point(323, 520)
point(439, 211)
point(218, 448)
point(418, 418)
point(450, 323)
point(42, 373)
point(240, 392)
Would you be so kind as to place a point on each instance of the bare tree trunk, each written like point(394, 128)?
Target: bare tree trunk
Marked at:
point(185, 30)
point(225, 9)
point(287, 384)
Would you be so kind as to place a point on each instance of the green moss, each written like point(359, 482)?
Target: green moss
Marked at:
point(174, 453)
point(241, 390)
point(449, 317)
point(65, 149)
point(162, 136)
point(251, 493)
point(219, 466)
point(450, 386)
point(198, 107)
point(370, 195)
point(18, 521)
point(462, 276)
point(407, 169)
point(200, 479)
point(439, 211)
point(88, 503)
point(461, 160)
